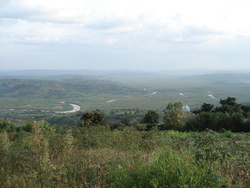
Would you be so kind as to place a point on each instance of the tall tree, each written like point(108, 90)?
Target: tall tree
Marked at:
point(205, 107)
point(229, 105)
point(174, 114)
point(231, 101)
point(151, 117)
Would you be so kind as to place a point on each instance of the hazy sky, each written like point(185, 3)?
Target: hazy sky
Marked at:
point(124, 34)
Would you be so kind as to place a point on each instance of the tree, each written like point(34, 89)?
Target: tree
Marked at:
point(174, 114)
point(223, 120)
point(207, 121)
point(246, 110)
point(205, 107)
point(229, 101)
point(92, 119)
point(87, 118)
point(237, 122)
point(151, 117)
point(229, 105)
point(6, 125)
point(98, 118)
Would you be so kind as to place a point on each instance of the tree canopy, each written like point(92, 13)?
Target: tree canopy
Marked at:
point(174, 114)
point(92, 119)
point(151, 117)
point(229, 116)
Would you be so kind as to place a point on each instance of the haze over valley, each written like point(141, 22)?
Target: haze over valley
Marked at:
point(34, 92)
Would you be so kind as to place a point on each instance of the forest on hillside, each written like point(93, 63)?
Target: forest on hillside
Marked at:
point(59, 89)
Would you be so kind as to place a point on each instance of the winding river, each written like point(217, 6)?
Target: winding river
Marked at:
point(76, 108)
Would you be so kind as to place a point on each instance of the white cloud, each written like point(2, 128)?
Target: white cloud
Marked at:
point(48, 10)
point(180, 31)
point(111, 41)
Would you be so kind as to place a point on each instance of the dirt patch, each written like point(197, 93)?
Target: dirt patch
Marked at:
point(58, 107)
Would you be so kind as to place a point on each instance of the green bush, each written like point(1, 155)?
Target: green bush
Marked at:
point(167, 169)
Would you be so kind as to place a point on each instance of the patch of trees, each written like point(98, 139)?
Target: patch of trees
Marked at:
point(229, 116)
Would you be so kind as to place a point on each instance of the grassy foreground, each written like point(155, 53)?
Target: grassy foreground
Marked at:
point(98, 157)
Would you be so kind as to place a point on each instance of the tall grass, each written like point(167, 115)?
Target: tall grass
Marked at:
point(99, 157)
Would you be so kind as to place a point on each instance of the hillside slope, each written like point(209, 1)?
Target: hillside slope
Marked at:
point(60, 89)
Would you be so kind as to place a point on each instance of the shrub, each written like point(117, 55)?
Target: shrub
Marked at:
point(167, 169)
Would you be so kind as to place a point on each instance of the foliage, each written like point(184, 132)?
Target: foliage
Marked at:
point(174, 115)
point(6, 125)
point(229, 105)
point(207, 120)
point(229, 116)
point(205, 107)
point(151, 119)
point(92, 119)
point(99, 157)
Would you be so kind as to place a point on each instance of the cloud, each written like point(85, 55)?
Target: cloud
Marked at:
point(104, 23)
point(16, 10)
point(74, 11)
point(134, 34)
point(111, 41)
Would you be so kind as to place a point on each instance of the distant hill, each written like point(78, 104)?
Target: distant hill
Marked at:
point(224, 78)
point(60, 88)
point(55, 74)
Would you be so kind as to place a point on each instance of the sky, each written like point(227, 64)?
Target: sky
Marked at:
point(147, 35)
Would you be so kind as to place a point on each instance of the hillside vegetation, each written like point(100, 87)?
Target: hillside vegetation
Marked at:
point(60, 89)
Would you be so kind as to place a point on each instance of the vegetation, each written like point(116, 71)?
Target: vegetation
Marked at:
point(42, 96)
point(151, 119)
point(92, 119)
point(40, 155)
point(174, 115)
point(229, 116)
point(117, 141)
point(59, 89)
